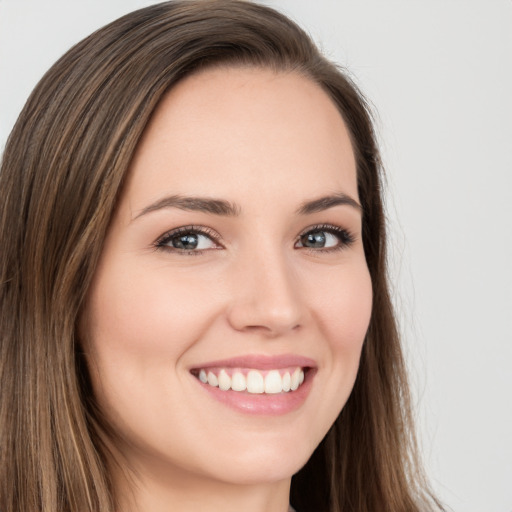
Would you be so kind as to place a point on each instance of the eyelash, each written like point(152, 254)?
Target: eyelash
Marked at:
point(345, 237)
point(161, 243)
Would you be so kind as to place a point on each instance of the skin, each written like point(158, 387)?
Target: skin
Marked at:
point(266, 142)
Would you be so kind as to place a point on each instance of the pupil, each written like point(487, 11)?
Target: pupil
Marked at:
point(185, 242)
point(316, 239)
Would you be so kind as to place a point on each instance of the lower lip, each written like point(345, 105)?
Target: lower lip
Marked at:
point(263, 404)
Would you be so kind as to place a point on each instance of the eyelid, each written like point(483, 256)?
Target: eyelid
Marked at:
point(161, 241)
point(346, 237)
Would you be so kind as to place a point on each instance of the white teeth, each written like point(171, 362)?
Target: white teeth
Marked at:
point(224, 380)
point(238, 382)
point(273, 382)
point(212, 379)
point(295, 379)
point(287, 382)
point(254, 382)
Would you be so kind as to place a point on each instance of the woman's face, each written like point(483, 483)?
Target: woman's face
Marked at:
point(234, 257)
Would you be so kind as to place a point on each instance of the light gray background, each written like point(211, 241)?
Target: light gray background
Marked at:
point(440, 75)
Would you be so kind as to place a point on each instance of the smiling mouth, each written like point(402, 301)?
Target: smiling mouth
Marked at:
point(253, 381)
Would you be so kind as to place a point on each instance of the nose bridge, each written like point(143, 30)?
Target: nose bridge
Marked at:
point(265, 293)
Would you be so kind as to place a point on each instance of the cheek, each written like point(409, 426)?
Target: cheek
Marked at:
point(343, 316)
point(342, 305)
point(139, 322)
point(134, 314)
point(345, 310)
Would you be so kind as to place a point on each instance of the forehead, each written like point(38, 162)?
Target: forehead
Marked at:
point(233, 130)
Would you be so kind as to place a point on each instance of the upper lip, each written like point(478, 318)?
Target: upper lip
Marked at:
point(260, 362)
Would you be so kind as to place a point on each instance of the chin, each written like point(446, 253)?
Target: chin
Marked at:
point(262, 471)
point(264, 461)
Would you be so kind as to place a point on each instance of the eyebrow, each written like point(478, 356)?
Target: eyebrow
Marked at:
point(197, 204)
point(326, 202)
point(228, 209)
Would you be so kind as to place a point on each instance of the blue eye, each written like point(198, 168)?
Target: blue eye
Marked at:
point(325, 237)
point(196, 239)
point(187, 240)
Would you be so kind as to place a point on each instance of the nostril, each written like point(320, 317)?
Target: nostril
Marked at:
point(271, 330)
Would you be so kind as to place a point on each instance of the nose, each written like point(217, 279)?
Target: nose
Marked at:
point(266, 297)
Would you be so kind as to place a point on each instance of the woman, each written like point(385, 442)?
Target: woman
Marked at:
point(194, 307)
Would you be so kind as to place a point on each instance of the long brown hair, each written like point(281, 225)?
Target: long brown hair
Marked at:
point(62, 171)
